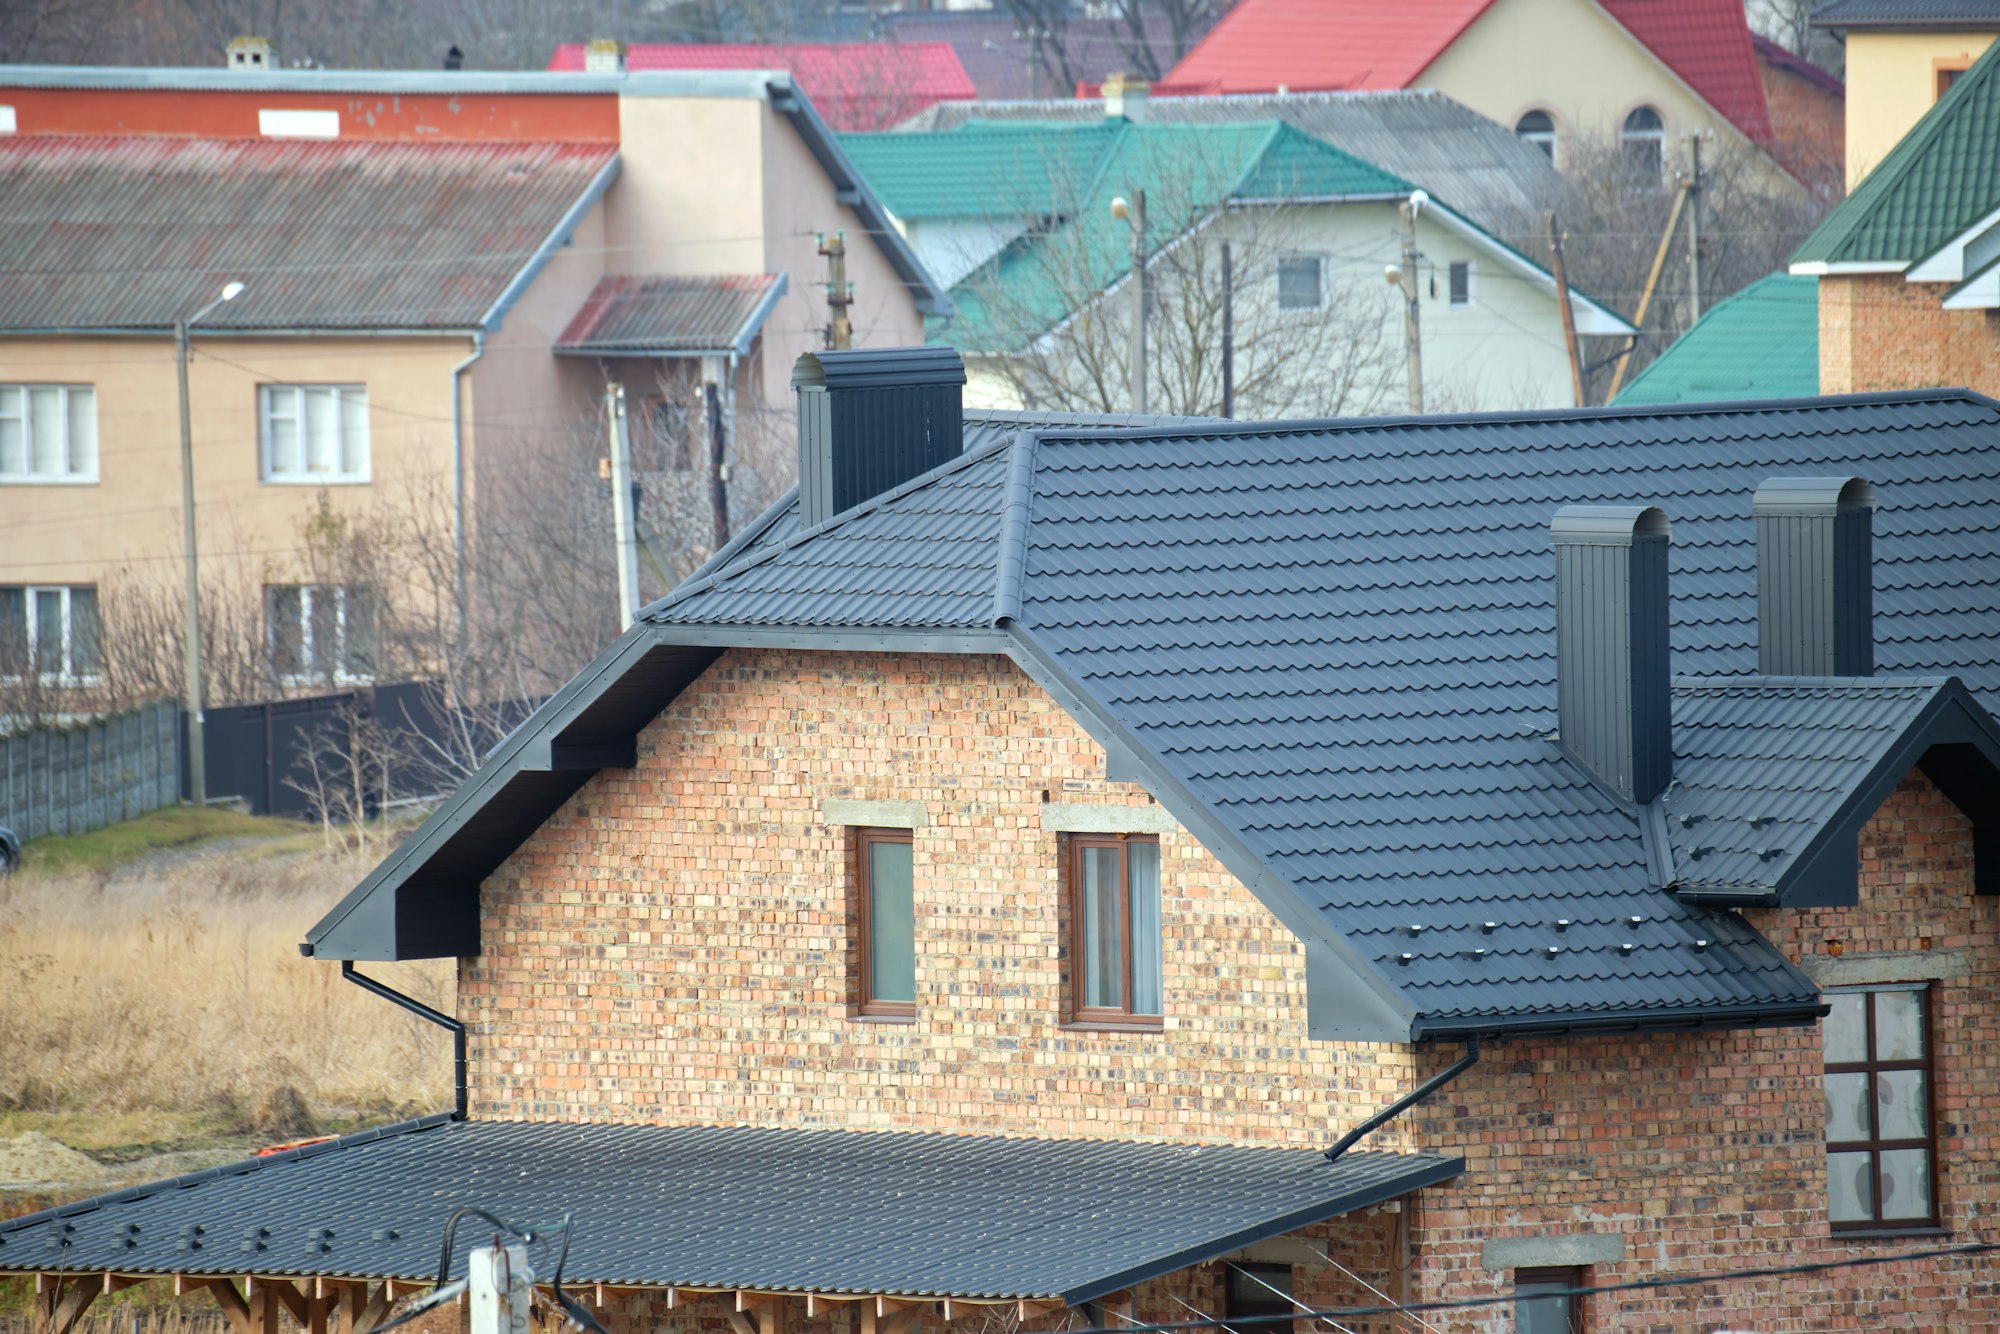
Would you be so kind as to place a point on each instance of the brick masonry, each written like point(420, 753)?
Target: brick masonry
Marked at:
point(1808, 128)
point(674, 946)
point(1878, 332)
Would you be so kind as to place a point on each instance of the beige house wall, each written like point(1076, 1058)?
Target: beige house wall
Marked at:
point(1892, 82)
point(1573, 60)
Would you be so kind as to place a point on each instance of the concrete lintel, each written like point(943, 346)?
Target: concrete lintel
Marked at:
point(1854, 970)
point(1069, 817)
point(1553, 1251)
point(876, 814)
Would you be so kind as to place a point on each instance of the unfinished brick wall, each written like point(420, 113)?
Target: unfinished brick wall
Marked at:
point(1706, 1152)
point(1808, 128)
point(1877, 332)
point(673, 946)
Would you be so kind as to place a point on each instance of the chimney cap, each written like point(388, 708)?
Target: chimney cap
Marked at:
point(1813, 496)
point(1608, 525)
point(878, 368)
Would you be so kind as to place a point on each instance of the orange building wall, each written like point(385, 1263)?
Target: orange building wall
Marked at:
point(230, 114)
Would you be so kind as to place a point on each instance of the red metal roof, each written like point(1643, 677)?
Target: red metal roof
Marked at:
point(1324, 45)
point(854, 85)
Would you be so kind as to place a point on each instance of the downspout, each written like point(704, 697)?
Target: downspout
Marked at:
point(422, 1011)
point(458, 488)
point(1407, 1101)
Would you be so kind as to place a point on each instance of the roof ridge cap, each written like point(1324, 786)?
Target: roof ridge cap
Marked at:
point(1761, 681)
point(1012, 560)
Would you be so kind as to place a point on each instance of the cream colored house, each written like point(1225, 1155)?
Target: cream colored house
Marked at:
point(427, 264)
point(1900, 60)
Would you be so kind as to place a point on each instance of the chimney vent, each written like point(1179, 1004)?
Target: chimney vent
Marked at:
point(1126, 96)
point(1815, 576)
point(250, 55)
point(870, 419)
point(1612, 676)
point(604, 56)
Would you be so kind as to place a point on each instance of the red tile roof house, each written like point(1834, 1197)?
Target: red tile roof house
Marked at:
point(855, 85)
point(1651, 70)
point(985, 893)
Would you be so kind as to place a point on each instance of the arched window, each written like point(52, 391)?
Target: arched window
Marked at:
point(1539, 129)
point(1644, 140)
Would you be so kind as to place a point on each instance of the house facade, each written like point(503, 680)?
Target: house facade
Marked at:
point(423, 260)
point(1147, 870)
point(1900, 60)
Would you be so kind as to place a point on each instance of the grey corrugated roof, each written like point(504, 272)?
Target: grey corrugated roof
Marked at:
point(136, 233)
point(1480, 168)
point(727, 1207)
point(1970, 14)
point(636, 313)
point(1339, 638)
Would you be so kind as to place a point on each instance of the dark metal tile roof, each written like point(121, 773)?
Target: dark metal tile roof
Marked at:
point(126, 233)
point(1340, 638)
point(727, 1207)
point(628, 313)
point(1972, 15)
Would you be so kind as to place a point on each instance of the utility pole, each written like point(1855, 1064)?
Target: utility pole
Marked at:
point(1228, 336)
point(191, 608)
point(623, 528)
point(1694, 227)
point(1134, 212)
point(1413, 333)
point(839, 293)
point(1562, 304)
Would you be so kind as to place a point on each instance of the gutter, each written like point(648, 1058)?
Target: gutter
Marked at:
point(1407, 1101)
point(565, 227)
point(458, 486)
point(422, 1011)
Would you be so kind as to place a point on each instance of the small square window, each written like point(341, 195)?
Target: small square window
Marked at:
point(50, 634)
point(1114, 902)
point(1301, 282)
point(1461, 282)
point(48, 433)
point(1548, 1301)
point(319, 634)
point(1881, 1149)
point(1253, 1290)
point(884, 885)
point(314, 433)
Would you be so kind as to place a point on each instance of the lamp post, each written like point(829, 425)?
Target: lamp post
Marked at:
point(191, 628)
point(1134, 212)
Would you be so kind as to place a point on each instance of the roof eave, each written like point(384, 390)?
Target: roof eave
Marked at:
point(558, 237)
point(1707, 1018)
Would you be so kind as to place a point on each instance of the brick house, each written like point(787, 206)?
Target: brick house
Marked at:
point(979, 896)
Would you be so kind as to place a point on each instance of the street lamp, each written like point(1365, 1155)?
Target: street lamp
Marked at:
point(191, 629)
point(1134, 212)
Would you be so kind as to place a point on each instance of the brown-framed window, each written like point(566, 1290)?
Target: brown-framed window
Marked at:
point(1252, 1290)
point(1114, 918)
point(884, 894)
point(1881, 1145)
point(1946, 72)
point(1548, 1301)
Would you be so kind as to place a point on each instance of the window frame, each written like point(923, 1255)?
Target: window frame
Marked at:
point(1319, 264)
point(65, 676)
point(1451, 267)
point(70, 476)
point(1654, 135)
point(1945, 71)
point(1571, 1277)
point(1875, 1147)
point(1548, 140)
point(1263, 1272)
point(867, 1004)
point(1103, 1016)
point(339, 672)
point(267, 472)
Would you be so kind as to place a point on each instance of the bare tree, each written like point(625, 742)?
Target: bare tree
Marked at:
point(344, 770)
point(1055, 29)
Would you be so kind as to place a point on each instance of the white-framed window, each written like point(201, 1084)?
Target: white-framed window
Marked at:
point(1539, 129)
point(1643, 140)
point(48, 433)
point(50, 633)
point(319, 633)
point(1301, 282)
point(1458, 280)
point(314, 433)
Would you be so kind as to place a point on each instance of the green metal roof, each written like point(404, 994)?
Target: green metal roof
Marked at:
point(1940, 179)
point(983, 169)
point(1185, 170)
point(1761, 343)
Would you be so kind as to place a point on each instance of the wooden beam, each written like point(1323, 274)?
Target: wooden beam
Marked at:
point(375, 1309)
point(318, 1308)
point(120, 1282)
point(1025, 1309)
point(281, 1291)
point(227, 1298)
point(264, 1307)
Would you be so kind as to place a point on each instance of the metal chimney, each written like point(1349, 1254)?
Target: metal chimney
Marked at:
point(870, 419)
point(1612, 676)
point(1815, 576)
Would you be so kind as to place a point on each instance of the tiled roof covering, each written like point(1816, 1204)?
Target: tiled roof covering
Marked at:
point(1939, 179)
point(855, 85)
point(1263, 45)
point(728, 1207)
point(1185, 169)
point(1339, 639)
point(129, 233)
point(1485, 170)
point(1970, 15)
point(633, 313)
point(1761, 342)
point(983, 170)
point(1707, 43)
